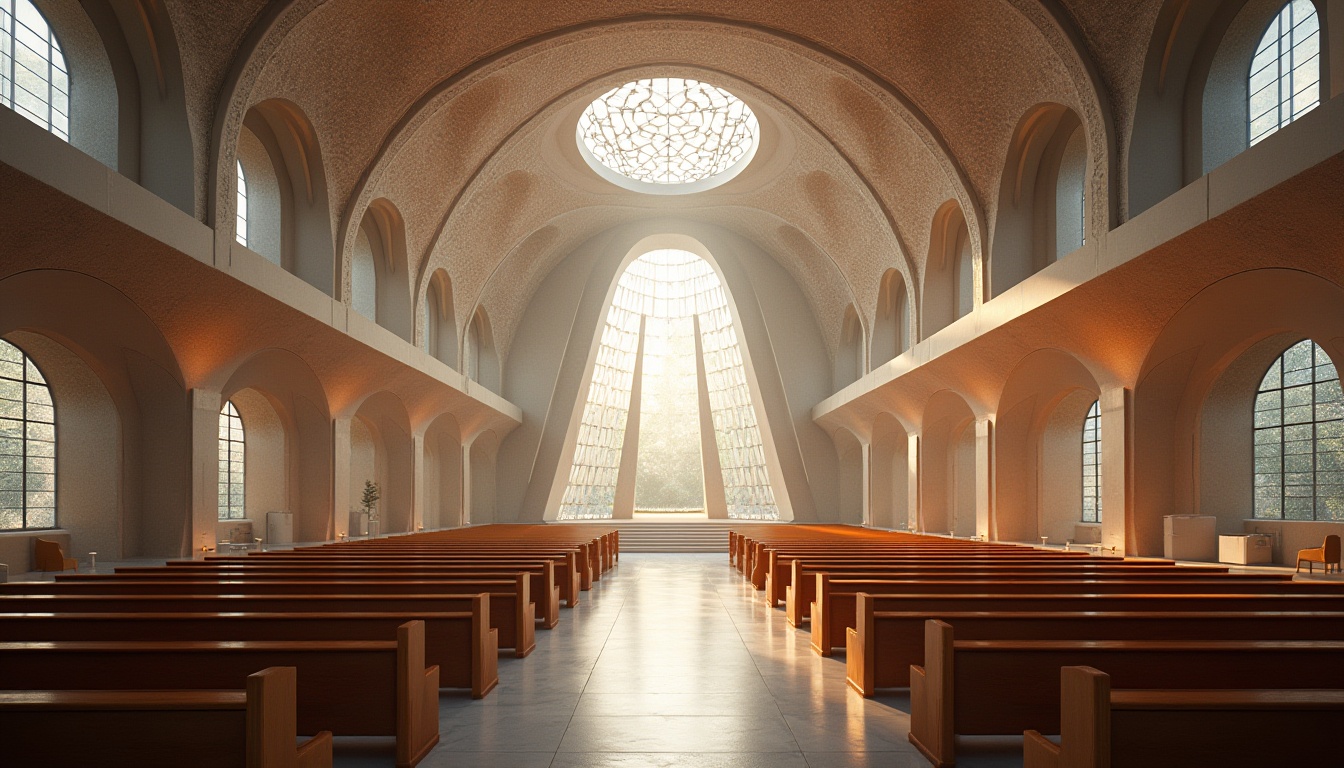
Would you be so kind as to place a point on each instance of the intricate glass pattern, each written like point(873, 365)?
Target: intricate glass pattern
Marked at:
point(240, 226)
point(232, 457)
point(1092, 464)
point(668, 130)
point(664, 291)
point(33, 79)
point(27, 444)
point(1285, 78)
point(1299, 438)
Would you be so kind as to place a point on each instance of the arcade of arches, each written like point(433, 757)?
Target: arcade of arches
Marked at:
point(1010, 269)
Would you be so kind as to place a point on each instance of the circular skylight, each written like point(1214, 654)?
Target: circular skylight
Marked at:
point(668, 135)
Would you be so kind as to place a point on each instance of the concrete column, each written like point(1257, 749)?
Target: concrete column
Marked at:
point(913, 512)
point(1117, 436)
point(205, 407)
point(417, 482)
point(985, 526)
point(866, 460)
point(341, 502)
point(623, 507)
point(716, 498)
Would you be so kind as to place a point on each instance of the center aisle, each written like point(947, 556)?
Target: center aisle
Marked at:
point(672, 660)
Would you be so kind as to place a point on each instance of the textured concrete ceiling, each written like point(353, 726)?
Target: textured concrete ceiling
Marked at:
point(462, 115)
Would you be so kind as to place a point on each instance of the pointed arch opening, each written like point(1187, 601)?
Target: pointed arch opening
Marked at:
point(671, 422)
point(439, 335)
point(949, 277)
point(891, 332)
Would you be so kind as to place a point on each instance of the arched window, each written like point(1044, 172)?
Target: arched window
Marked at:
point(33, 79)
point(669, 348)
point(1299, 438)
point(232, 457)
point(1285, 76)
point(27, 444)
point(240, 227)
point(1092, 464)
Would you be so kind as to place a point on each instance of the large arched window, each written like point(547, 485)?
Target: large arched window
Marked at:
point(232, 458)
point(1299, 438)
point(27, 444)
point(1285, 76)
point(33, 79)
point(1092, 464)
point(240, 226)
point(669, 352)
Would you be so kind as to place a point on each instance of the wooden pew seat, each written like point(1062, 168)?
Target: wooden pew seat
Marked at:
point(255, 727)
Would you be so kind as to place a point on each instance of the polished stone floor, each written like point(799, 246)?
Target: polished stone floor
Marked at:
point(672, 660)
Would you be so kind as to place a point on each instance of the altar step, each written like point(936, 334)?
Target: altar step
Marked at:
point(674, 536)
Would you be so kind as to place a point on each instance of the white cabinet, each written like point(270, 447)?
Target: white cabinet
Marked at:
point(279, 528)
point(1190, 537)
point(1246, 549)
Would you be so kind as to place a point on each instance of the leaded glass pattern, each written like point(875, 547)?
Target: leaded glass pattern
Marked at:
point(1299, 438)
point(668, 130)
point(1285, 77)
point(34, 80)
point(232, 460)
point(240, 225)
point(1092, 464)
point(27, 444)
point(667, 293)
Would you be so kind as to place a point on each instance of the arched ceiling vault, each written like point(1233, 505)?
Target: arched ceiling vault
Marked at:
point(449, 110)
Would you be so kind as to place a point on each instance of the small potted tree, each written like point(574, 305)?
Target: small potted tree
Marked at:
point(369, 502)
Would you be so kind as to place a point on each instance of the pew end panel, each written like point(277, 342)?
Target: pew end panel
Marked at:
point(931, 699)
point(417, 697)
point(273, 724)
point(860, 650)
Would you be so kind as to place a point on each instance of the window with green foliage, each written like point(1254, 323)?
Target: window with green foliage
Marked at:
point(1299, 438)
point(232, 458)
point(27, 444)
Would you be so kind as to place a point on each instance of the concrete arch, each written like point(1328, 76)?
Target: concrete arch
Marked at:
point(442, 502)
point(889, 488)
point(382, 450)
point(896, 312)
point(382, 238)
point(1038, 448)
point(947, 476)
point(1197, 347)
point(98, 343)
point(438, 331)
point(951, 273)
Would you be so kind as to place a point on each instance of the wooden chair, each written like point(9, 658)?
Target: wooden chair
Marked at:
point(1327, 554)
point(49, 557)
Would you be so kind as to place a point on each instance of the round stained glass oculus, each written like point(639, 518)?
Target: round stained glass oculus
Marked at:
point(668, 135)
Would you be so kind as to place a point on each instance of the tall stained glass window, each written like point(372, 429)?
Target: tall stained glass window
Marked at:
point(232, 457)
point(27, 444)
point(1299, 438)
point(1092, 464)
point(668, 296)
point(33, 79)
point(1285, 77)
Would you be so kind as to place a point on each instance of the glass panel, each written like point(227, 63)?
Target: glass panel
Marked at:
point(36, 82)
point(1300, 467)
point(232, 463)
point(1092, 464)
point(1285, 77)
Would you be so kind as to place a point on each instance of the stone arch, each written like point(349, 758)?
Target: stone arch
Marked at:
point(849, 468)
point(480, 356)
point(1038, 448)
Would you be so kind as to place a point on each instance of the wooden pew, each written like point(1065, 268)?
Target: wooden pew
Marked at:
point(541, 589)
point(1006, 687)
point(548, 576)
point(835, 609)
point(511, 611)
point(461, 644)
point(587, 556)
point(351, 688)
point(1102, 727)
point(255, 727)
point(800, 595)
point(880, 650)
